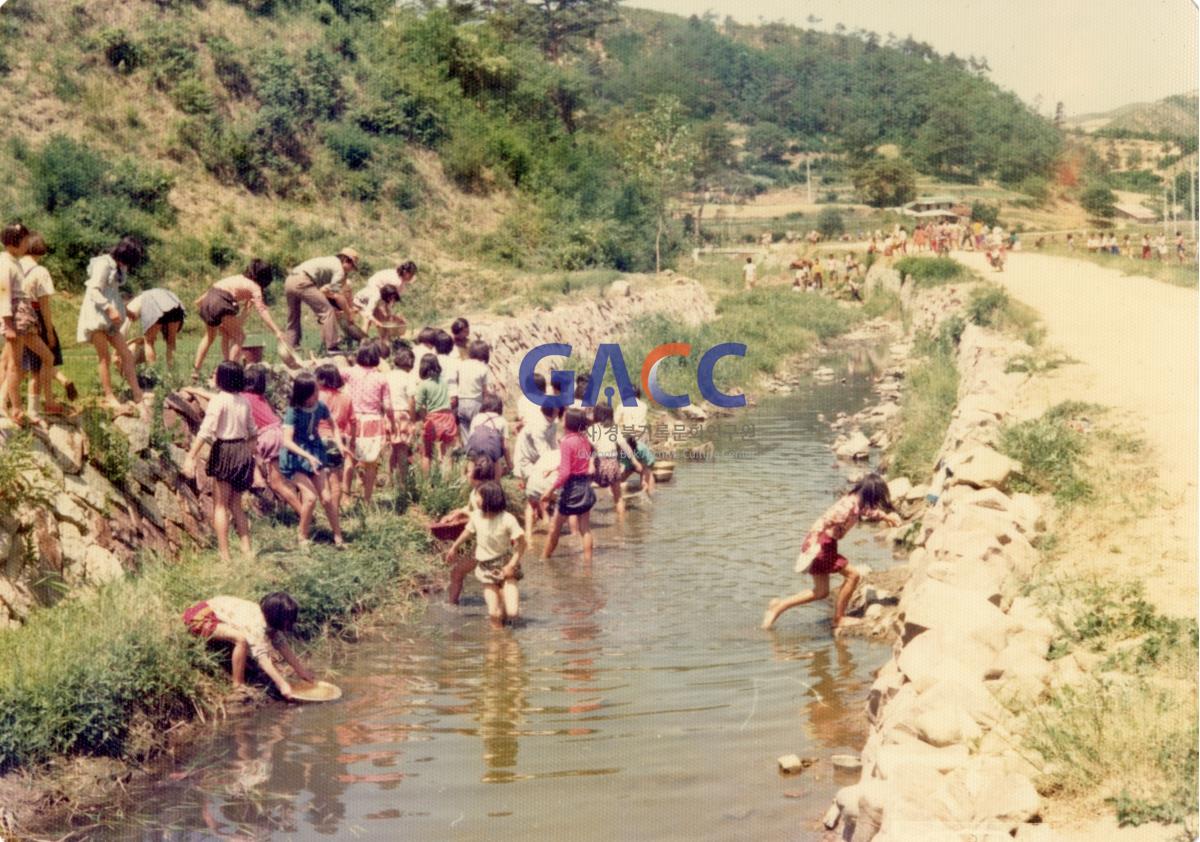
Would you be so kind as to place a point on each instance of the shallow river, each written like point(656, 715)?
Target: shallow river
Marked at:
point(639, 700)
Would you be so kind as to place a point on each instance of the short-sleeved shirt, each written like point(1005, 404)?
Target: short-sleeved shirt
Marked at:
point(247, 619)
point(323, 272)
point(472, 379)
point(10, 283)
point(432, 396)
point(305, 426)
point(538, 436)
point(341, 412)
point(450, 363)
point(402, 385)
point(368, 298)
point(632, 420)
point(37, 282)
point(261, 411)
point(368, 391)
point(384, 277)
point(493, 535)
point(497, 422)
point(152, 304)
point(227, 417)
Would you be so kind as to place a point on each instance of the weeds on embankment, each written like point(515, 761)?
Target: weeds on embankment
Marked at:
point(930, 395)
point(1050, 449)
point(106, 672)
point(990, 306)
point(929, 272)
point(1125, 731)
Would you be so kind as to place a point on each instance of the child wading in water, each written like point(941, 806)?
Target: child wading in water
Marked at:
point(868, 499)
point(574, 485)
point(497, 534)
point(256, 630)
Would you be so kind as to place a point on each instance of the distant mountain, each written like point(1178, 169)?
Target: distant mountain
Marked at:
point(1173, 115)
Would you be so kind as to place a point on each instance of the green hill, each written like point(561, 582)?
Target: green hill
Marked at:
point(493, 132)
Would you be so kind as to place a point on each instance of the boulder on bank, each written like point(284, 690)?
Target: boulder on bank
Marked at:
point(855, 446)
point(982, 467)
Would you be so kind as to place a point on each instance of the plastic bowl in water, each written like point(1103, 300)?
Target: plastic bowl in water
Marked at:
point(315, 691)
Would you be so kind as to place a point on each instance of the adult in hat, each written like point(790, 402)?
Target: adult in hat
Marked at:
point(318, 282)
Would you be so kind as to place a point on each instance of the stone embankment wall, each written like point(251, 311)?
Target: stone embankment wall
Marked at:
point(943, 759)
point(80, 529)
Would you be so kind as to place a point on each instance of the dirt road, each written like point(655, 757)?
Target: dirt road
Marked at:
point(1135, 340)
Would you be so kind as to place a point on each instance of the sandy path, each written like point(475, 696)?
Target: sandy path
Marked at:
point(1136, 341)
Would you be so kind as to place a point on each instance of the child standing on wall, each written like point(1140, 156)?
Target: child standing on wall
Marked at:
point(229, 427)
point(868, 499)
point(497, 534)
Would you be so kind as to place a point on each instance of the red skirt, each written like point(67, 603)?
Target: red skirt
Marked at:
point(827, 560)
point(200, 620)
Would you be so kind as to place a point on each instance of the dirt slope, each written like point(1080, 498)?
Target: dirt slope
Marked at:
point(1135, 340)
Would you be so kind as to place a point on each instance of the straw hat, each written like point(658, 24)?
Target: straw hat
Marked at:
point(350, 254)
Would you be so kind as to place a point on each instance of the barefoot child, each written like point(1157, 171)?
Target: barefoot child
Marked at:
point(374, 421)
point(270, 436)
point(228, 426)
point(102, 312)
point(341, 415)
point(256, 630)
point(574, 478)
point(431, 402)
point(402, 383)
point(610, 447)
point(302, 456)
point(868, 499)
point(482, 469)
point(497, 533)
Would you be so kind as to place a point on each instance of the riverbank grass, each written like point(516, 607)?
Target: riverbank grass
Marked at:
point(930, 395)
point(106, 672)
point(929, 272)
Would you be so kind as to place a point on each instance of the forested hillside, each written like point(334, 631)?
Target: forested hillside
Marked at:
point(551, 135)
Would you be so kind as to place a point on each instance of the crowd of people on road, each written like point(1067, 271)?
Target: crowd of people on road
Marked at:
point(1157, 247)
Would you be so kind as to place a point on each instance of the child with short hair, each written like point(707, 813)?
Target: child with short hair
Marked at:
point(339, 462)
point(608, 445)
point(480, 470)
point(574, 478)
point(102, 311)
point(489, 433)
point(431, 402)
point(374, 420)
point(228, 426)
point(499, 545)
point(38, 287)
point(302, 456)
point(460, 330)
point(402, 383)
point(538, 436)
point(473, 376)
point(448, 360)
point(254, 630)
point(868, 499)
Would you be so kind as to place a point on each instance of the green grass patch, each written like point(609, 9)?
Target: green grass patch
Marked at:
point(1050, 450)
point(773, 323)
point(933, 271)
point(95, 674)
point(990, 306)
point(929, 399)
point(1129, 736)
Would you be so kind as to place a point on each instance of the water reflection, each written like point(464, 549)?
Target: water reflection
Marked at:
point(500, 708)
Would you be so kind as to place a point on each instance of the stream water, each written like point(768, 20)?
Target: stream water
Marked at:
point(638, 700)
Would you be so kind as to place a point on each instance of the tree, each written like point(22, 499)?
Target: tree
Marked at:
point(555, 25)
point(660, 153)
point(883, 182)
point(1098, 200)
point(1133, 160)
point(829, 223)
point(1060, 115)
point(768, 142)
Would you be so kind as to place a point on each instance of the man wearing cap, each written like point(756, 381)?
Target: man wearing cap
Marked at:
point(317, 282)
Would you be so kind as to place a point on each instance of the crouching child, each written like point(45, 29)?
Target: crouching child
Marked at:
point(255, 630)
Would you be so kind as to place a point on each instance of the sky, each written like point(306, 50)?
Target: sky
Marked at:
point(1092, 55)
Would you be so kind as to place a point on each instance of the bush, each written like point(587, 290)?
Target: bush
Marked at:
point(932, 271)
point(351, 145)
point(829, 223)
point(122, 53)
point(192, 96)
point(987, 214)
point(18, 469)
point(1050, 452)
point(108, 448)
point(986, 304)
point(63, 172)
point(231, 71)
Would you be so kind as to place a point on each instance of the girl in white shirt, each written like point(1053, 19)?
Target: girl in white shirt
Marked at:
point(499, 544)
